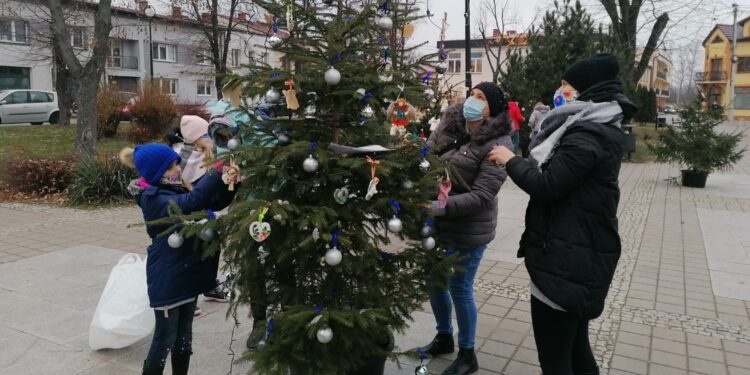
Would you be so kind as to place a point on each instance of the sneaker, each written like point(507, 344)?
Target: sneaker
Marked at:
point(216, 295)
point(197, 311)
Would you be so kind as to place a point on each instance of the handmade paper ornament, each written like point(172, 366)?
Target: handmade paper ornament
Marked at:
point(231, 174)
point(401, 114)
point(291, 95)
point(260, 230)
point(372, 187)
point(341, 195)
point(408, 30)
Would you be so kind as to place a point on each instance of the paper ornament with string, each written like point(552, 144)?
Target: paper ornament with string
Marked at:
point(291, 95)
point(408, 30)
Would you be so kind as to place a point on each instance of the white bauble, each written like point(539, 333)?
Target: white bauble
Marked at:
point(207, 234)
point(332, 76)
point(428, 243)
point(272, 95)
point(384, 22)
point(407, 184)
point(310, 165)
point(324, 335)
point(333, 257)
point(368, 112)
point(274, 40)
point(395, 225)
point(233, 144)
point(424, 165)
point(175, 240)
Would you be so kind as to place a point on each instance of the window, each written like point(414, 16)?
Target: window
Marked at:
point(18, 97)
point(203, 57)
point(14, 31)
point(39, 97)
point(12, 77)
point(204, 87)
point(164, 52)
point(235, 57)
point(167, 85)
point(742, 97)
point(454, 63)
point(78, 37)
point(476, 62)
point(743, 65)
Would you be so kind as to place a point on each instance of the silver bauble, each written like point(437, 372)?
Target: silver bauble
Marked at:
point(207, 234)
point(424, 165)
point(310, 165)
point(175, 240)
point(283, 139)
point(395, 225)
point(233, 144)
point(324, 335)
point(272, 96)
point(428, 243)
point(426, 231)
point(421, 370)
point(333, 257)
point(429, 93)
point(384, 22)
point(368, 112)
point(407, 184)
point(332, 76)
point(441, 67)
point(274, 41)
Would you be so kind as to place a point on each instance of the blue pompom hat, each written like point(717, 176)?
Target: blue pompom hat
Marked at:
point(152, 160)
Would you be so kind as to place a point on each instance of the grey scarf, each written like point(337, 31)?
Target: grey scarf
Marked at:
point(559, 119)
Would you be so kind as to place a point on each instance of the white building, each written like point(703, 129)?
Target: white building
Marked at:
point(481, 61)
point(179, 49)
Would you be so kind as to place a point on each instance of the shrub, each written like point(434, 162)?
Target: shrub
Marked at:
point(192, 109)
point(100, 181)
point(38, 176)
point(153, 113)
point(108, 114)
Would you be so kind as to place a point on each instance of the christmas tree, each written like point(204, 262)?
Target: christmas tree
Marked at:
point(306, 237)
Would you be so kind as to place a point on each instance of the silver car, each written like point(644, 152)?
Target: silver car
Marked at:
point(34, 106)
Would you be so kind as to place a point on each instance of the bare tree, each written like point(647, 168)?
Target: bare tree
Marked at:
point(495, 16)
point(217, 21)
point(686, 59)
point(624, 16)
point(87, 75)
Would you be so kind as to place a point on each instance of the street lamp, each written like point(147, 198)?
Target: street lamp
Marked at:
point(467, 47)
point(149, 12)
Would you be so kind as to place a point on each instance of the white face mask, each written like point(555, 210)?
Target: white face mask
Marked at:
point(174, 179)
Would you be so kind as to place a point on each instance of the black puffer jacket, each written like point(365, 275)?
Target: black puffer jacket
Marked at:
point(470, 215)
point(571, 243)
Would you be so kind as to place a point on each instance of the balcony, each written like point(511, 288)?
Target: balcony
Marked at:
point(704, 77)
point(122, 62)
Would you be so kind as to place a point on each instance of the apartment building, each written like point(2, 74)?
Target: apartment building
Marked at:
point(657, 76)
point(176, 44)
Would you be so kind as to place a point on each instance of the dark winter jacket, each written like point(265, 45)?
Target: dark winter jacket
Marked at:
point(571, 242)
point(470, 215)
point(176, 274)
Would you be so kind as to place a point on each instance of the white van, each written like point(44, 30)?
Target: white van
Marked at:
point(34, 106)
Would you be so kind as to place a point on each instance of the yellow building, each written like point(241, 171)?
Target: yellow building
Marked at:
point(657, 76)
point(713, 82)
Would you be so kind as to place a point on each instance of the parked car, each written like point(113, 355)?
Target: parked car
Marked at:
point(669, 109)
point(126, 108)
point(34, 106)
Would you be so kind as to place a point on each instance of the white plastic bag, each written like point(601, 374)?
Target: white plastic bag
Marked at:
point(123, 315)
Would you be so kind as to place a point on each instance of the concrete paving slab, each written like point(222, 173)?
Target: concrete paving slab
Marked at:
point(728, 258)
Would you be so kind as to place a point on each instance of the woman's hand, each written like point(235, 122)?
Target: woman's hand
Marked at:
point(501, 155)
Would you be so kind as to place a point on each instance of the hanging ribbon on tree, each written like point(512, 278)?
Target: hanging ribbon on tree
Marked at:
point(426, 78)
point(372, 188)
point(396, 206)
point(290, 17)
point(275, 25)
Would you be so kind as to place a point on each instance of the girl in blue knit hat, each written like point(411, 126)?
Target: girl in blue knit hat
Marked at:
point(175, 276)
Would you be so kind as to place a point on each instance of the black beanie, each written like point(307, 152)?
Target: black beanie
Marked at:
point(495, 97)
point(590, 71)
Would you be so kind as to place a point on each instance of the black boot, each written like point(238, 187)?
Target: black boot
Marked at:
point(152, 370)
point(465, 363)
point(180, 363)
point(256, 336)
point(441, 344)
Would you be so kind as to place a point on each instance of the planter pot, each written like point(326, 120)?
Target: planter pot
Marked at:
point(696, 179)
point(375, 365)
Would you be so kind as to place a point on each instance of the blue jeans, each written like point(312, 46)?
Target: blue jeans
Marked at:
point(171, 333)
point(460, 295)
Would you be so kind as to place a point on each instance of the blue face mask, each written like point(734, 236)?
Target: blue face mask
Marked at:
point(473, 109)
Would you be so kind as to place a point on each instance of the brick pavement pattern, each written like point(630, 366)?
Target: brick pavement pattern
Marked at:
point(679, 304)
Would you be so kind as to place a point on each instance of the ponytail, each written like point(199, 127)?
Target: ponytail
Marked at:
point(126, 157)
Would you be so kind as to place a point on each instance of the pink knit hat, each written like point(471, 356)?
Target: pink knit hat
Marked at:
point(192, 128)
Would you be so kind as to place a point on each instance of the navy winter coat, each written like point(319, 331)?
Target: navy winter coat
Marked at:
point(176, 274)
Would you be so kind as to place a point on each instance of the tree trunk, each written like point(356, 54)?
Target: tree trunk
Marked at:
point(64, 99)
point(88, 90)
point(218, 81)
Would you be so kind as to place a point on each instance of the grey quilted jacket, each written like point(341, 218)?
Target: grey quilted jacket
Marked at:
point(471, 211)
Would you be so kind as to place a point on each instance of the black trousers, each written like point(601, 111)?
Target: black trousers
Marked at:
point(562, 341)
